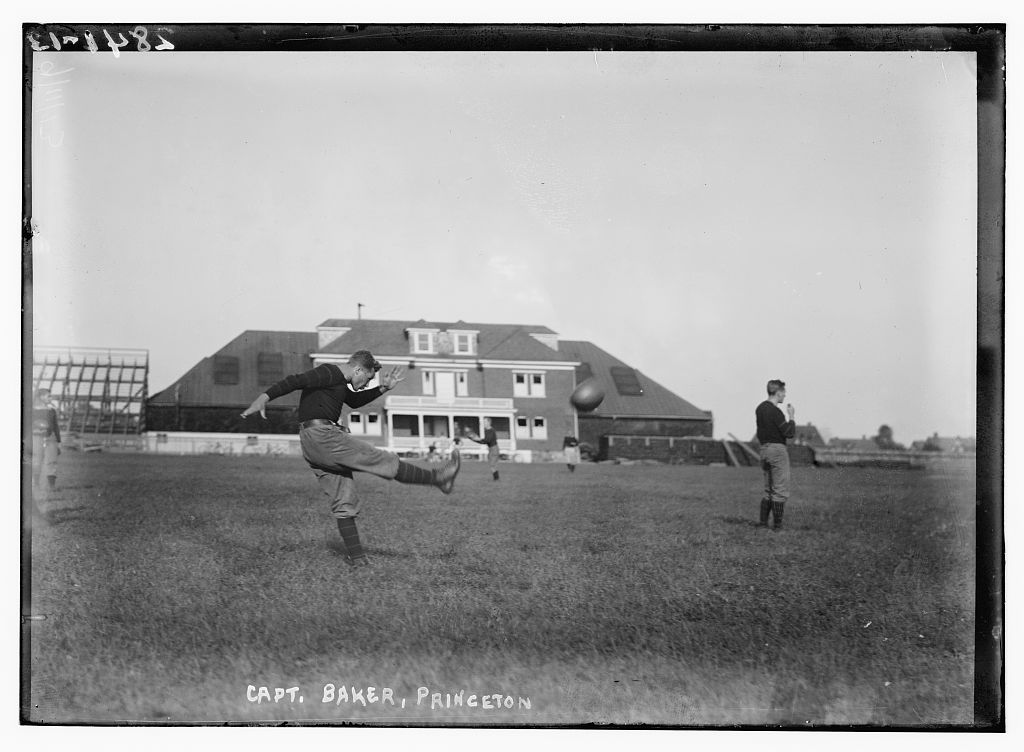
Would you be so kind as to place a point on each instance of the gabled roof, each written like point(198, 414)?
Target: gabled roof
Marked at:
point(388, 338)
point(954, 443)
point(655, 401)
point(809, 434)
point(198, 387)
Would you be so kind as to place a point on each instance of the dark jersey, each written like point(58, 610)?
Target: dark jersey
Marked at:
point(772, 426)
point(569, 442)
point(324, 392)
point(44, 422)
point(490, 438)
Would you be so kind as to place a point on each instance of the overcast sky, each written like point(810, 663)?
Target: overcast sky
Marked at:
point(713, 219)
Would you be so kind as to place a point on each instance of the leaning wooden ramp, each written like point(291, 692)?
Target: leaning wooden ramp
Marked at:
point(728, 453)
point(754, 457)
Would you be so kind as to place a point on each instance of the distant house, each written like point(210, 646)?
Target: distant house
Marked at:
point(456, 374)
point(947, 444)
point(863, 444)
point(808, 435)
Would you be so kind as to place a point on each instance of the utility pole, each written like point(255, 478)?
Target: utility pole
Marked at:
point(359, 311)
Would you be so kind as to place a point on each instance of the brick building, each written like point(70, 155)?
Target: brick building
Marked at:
point(456, 374)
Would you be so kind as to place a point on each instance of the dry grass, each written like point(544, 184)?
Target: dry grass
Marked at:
point(625, 595)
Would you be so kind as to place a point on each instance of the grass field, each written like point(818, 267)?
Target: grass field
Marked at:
point(165, 587)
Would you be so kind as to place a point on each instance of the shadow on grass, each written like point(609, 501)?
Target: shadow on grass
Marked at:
point(745, 521)
point(387, 553)
point(335, 547)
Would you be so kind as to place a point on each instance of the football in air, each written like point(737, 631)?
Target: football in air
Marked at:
point(587, 396)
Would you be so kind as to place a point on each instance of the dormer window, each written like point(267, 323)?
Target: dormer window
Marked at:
point(464, 343)
point(422, 341)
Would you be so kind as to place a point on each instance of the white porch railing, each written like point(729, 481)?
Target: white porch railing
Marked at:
point(398, 402)
point(402, 443)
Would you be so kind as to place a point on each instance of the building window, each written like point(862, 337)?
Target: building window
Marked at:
point(464, 344)
point(422, 342)
point(436, 425)
point(446, 383)
point(626, 381)
point(364, 425)
point(225, 369)
point(540, 428)
point(531, 428)
point(526, 384)
point(269, 367)
point(404, 426)
point(373, 424)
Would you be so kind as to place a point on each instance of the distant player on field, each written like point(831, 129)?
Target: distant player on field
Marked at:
point(333, 453)
point(490, 439)
point(773, 429)
point(571, 447)
point(45, 440)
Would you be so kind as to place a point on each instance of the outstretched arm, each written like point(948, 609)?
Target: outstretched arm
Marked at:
point(325, 374)
point(259, 405)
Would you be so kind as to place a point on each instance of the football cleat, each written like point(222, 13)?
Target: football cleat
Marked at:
point(446, 475)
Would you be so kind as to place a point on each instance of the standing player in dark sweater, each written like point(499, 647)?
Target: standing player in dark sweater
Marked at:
point(45, 440)
point(490, 439)
point(773, 429)
point(333, 453)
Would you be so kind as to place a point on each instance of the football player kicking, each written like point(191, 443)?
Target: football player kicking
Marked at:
point(333, 453)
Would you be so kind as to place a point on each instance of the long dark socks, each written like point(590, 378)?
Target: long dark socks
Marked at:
point(409, 473)
point(350, 536)
point(778, 507)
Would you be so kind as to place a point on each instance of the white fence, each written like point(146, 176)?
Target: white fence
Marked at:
point(839, 457)
point(240, 444)
point(186, 442)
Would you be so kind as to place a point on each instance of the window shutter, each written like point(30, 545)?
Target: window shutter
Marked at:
point(269, 367)
point(225, 369)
